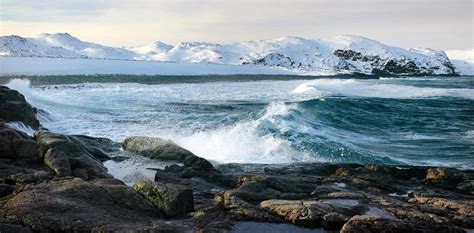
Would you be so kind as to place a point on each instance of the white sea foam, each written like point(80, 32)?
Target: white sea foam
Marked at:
point(378, 89)
point(20, 126)
point(21, 85)
point(243, 143)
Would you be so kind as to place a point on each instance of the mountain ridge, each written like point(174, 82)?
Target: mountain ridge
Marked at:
point(340, 54)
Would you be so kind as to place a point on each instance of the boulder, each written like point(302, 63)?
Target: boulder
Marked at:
point(5, 148)
point(445, 177)
point(13, 107)
point(5, 190)
point(466, 187)
point(57, 161)
point(76, 151)
point(194, 166)
point(369, 224)
point(5, 227)
point(28, 176)
point(310, 213)
point(157, 148)
point(75, 205)
point(98, 147)
point(172, 200)
point(11, 150)
point(463, 207)
point(257, 188)
point(25, 148)
point(210, 175)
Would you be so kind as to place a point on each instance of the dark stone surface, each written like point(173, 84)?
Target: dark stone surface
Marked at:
point(78, 205)
point(171, 199)
point(79, 155)
point(13, 107)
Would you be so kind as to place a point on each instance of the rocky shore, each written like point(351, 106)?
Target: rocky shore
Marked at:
point(51, 182)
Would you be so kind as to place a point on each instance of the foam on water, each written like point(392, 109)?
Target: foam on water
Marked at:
point(20, 126)
point(21, 85)
point(244, 142)
point(370, 88)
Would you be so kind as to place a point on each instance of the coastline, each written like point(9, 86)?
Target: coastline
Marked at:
point(54, 182)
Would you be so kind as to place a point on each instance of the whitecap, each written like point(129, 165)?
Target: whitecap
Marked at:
point(378, 89)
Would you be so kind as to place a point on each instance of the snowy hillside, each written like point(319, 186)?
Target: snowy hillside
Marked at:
point(463, 60)
point(147, 51)
point(342, 54)
point(59, 45)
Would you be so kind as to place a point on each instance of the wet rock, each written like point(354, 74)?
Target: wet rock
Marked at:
point(25, 148)
point(6, 227)
point(464, 207)
point(466, 187)
point(78, 155)
point(57, 161)
point(209, 175)
point(194, 166)
point(369, 224)
point(13, 107)
point(334, 221)
point(30, 176)
point(256, 188)
point(7, 136)
point(203, 191)
point(157, 148)
point(80, 173)
point(99, 147)
point(447, 178)
point(240, 210)
point(75, 205)
point(5, 190)
point(172, 200)
point(310, 213)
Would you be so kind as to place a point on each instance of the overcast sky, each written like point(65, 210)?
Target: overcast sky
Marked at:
point(439, 24)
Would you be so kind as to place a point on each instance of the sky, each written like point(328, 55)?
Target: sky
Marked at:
point(438, 24)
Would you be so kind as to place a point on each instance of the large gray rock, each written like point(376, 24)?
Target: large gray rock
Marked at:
point(25, 148)
point(369, 224)
point(75, 205)
point(57, 161)
point(78, 155)
point(257, 188)
point(311, 213)
point(9, 144)
point(13, 107)
point(443, 177)
point(172, 200)
point(99, 147)
point(157, 148)
point(5, 227)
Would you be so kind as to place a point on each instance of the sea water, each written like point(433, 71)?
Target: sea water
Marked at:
point(252, 119)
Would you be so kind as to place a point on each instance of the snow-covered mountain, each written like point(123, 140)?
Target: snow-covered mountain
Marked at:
point(342, 54)
point(463, 60)
point(59, 45)
point(149, 50)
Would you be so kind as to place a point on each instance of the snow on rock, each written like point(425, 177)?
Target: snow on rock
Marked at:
point(59, 45)
point(342, 54)
point(151, 49)
point(463, 61)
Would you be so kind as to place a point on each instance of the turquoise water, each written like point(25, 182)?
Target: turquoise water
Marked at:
point(270, 119)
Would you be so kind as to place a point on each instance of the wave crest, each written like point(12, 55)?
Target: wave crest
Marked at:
point(371, 88)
